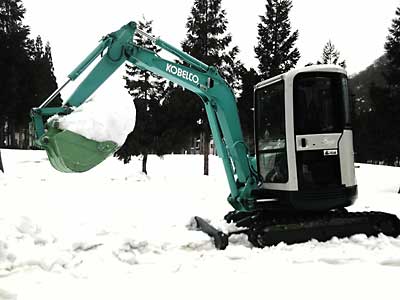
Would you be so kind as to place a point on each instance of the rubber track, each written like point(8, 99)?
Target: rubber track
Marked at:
point(270, 228)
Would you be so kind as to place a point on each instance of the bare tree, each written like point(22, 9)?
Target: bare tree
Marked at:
point(1, 164)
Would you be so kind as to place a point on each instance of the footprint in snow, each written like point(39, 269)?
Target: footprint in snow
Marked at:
point(4, 295)
point(126, 257)
point(129, 251)
point(26, 226)
point(391, 262)
point(339, 261)
point(85, 246)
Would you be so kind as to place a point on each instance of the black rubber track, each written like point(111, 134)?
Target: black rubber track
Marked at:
point(270, 228)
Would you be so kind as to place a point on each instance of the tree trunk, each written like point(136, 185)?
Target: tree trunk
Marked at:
point(205, 142)
point(25, 144)
point(21, 139)
point(144, 164)
point(2, 132)
point(8, 136)
point(12, 132)
point(1, 164)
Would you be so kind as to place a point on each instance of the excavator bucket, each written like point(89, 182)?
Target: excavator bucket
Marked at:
point(70, 152)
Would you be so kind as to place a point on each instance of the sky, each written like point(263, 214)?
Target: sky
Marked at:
point(357, 28)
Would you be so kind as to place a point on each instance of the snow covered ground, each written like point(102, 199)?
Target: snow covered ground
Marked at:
point(114, 233)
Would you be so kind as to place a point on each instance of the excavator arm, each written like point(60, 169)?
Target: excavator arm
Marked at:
point(220, 104)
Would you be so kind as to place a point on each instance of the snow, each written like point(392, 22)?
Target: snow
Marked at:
point(107, 116)
point(115, 233)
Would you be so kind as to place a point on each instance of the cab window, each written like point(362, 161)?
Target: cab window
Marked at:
point(271, 133)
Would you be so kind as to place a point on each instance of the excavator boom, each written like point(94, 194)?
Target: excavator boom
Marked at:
point(205, 81)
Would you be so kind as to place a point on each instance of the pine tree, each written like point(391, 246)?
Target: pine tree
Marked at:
point(246, 106)
point(363, 86)
point(361, 82)
point(386, 100)
point(389, 105)
point(27, 74)
point(42, 62)
point(275, 50)
point(392, 47)
point(208, 41)
point(41, 75)
point(42, 82)
point(147, 91)
point(13, 62)
point(178, 108)
point(331, 56)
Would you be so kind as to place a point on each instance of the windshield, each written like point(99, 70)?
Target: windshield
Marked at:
point(321, 103)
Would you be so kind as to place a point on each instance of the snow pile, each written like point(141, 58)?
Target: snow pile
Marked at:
point(108, 116)
point(23, 243)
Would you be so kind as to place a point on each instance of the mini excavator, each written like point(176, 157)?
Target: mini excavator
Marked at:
point(302, 177)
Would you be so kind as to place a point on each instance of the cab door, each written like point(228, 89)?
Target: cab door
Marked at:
point(270, 127)
point(318, 101)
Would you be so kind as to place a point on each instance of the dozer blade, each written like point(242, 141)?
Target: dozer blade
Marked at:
point(221, 240)
point(70, 152)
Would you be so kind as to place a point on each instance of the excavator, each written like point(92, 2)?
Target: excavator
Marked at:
point(302, 177)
